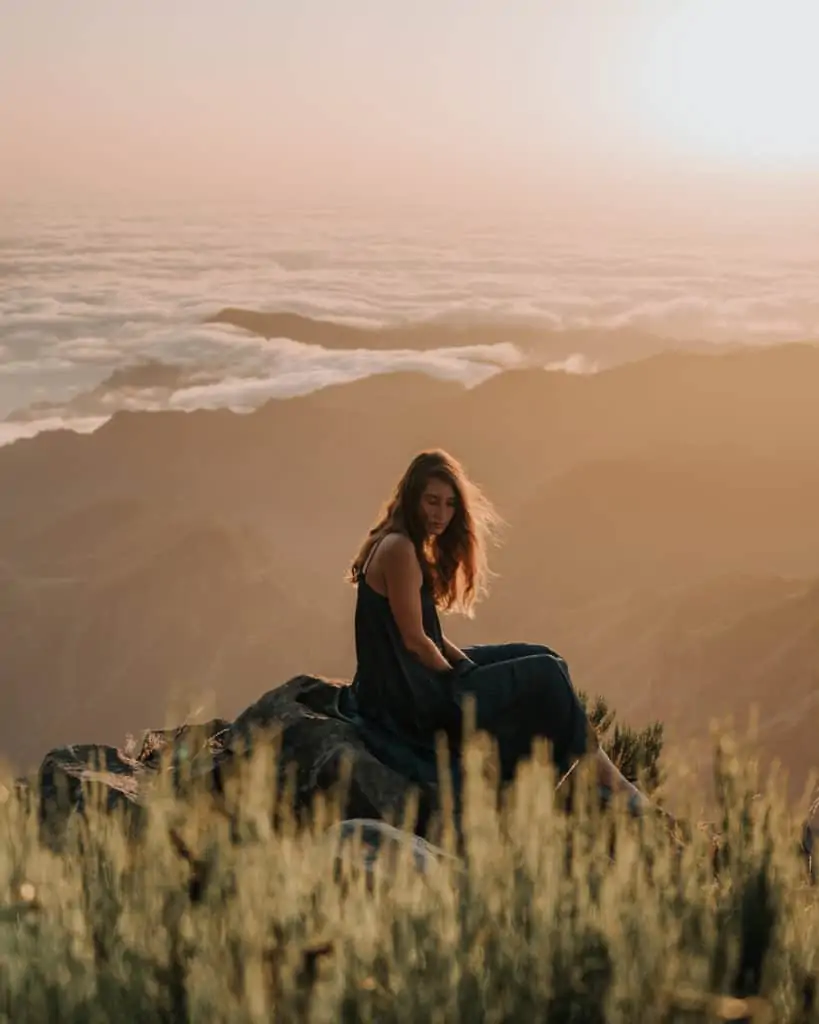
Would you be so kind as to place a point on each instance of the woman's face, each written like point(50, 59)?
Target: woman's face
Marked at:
point(438, 504)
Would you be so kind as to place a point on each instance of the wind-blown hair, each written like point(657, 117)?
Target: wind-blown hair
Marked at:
point(455, 563)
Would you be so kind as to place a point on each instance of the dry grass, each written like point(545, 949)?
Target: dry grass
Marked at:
point(214, 915)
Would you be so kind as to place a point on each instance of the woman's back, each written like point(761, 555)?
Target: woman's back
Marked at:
point(390, 682)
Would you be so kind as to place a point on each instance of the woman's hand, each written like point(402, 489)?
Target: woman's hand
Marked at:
point(462, 666)
point(453, 654)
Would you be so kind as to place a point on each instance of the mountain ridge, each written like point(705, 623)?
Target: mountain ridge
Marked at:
point(209, 548)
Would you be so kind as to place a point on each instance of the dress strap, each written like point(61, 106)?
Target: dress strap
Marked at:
point(370, 554)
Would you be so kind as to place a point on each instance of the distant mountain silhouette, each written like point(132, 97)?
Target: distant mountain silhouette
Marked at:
point(661, 526)
point(133, 606)
point(711, 651)
point(602, 345)
point(126, 387)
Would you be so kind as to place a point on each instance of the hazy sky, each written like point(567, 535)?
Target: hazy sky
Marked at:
point(337, 97)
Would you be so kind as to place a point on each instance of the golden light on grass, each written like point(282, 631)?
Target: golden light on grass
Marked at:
point(535, 921)
point(27, 892)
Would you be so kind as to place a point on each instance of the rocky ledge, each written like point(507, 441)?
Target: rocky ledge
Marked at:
point(300, 719)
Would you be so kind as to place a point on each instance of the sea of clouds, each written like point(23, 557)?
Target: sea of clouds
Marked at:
point(84, 294)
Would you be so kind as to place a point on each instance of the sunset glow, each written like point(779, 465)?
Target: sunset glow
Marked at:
point(736, 81)
point(563, 101)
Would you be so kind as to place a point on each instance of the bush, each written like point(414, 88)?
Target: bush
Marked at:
point(537, 922)
point(636, 753)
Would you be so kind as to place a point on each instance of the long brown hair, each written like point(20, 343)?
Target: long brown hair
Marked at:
point(454, 564)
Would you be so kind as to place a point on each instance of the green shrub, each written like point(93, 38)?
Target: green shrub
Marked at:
point(537, 922)
point(636, 753)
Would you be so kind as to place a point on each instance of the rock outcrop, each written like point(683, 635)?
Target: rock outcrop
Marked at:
point(313, 741)
point(300, 718)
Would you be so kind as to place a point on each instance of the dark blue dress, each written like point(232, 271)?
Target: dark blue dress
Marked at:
point(521, 691)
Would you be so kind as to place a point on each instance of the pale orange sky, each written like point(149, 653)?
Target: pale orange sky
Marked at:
point(340, 98)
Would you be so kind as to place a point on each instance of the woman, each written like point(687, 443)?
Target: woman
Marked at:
point(427, 551)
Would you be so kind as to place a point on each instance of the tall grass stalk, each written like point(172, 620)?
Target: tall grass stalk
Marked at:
point(232, 910)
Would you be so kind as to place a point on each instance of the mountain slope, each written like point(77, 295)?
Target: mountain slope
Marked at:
point(653, 510)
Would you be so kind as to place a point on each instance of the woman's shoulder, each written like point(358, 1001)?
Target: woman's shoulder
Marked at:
point(395, 539)
point(395, 547)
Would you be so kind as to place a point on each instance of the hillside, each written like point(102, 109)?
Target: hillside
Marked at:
point(205, 551)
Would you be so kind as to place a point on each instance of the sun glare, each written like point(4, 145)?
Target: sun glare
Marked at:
point(736, 80)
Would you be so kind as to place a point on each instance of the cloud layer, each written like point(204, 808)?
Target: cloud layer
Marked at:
point(84, 294)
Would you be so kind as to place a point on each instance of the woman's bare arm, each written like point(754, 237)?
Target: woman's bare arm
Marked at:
point(403, 579)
